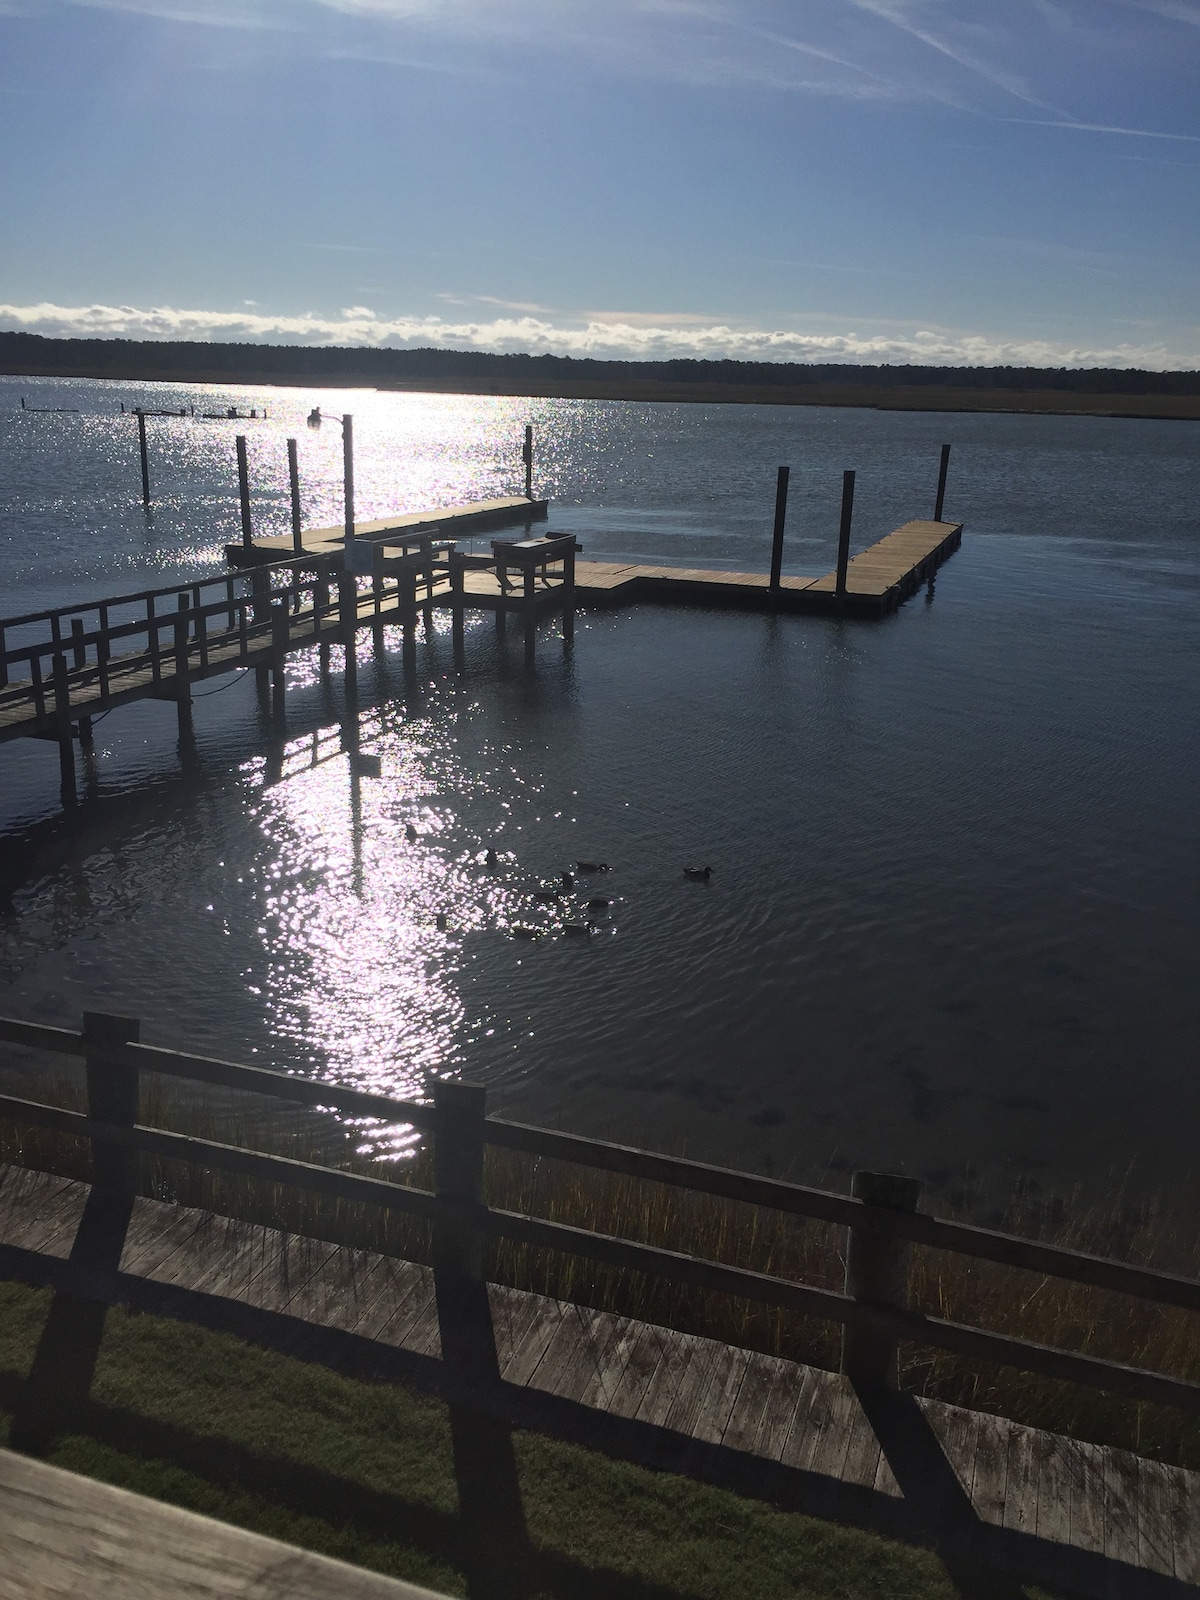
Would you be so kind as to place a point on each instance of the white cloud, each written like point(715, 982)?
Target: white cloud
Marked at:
point(605, 335)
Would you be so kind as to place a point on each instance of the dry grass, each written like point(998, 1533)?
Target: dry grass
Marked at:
point(1003, 1299)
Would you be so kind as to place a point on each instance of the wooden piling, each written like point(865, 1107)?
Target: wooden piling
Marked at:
point(457, 607)
point(244, 491)
point(348, 612)
point(530, 609)
point(62, 728)
point(781, 494)
point(569, 597)
point(183, 687)
point(348, 477)
point(877, 1273)
point(279, 646)
point(527, 458)
point(141, 416)
point(458, 1182)
point(294, 481)
point(941, 488)
point(112, 1097)
point(78, 648)
point(843, 559)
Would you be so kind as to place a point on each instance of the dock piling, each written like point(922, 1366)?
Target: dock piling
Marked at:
point(348, 478)
point(280, 631)
point(183, 687)
point(244, 491)
point(843, 560)
point(294, 481)
point(348, 613)
point(877, 1274)
point(62, 728)
point(781, 494)
point(78, 647)
point(527, 458)
point(941, 488)
point(141, 416)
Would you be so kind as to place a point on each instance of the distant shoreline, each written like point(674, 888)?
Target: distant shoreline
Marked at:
point(934, 398)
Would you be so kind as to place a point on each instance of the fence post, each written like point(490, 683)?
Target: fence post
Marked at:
point(781, 494)
point(112, 1096)
point(458, 1181)
point(941, 488)
point(877, 1274)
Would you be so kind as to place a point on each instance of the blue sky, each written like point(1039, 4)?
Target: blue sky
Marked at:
point(941, 180)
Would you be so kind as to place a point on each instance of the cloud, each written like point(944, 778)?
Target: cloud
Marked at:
point(627, 339)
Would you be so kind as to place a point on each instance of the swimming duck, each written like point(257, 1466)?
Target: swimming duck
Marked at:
point(492, 858)
point(568, 880)
point(599, 902)
point(523, 931)
point(592, 866)
point(703, 873)
point(577, 930)
point(548, 897)
point(441, 922)
point(411, 834)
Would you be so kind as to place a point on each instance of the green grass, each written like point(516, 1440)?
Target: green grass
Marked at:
point(370, 1473)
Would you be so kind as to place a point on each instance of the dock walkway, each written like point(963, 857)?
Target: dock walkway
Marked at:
point(1098, 1522)
point(479, 516)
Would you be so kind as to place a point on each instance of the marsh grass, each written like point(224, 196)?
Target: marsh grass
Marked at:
point(1005, 1300)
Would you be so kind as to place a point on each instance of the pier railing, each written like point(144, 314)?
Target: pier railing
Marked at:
point(881, 1218)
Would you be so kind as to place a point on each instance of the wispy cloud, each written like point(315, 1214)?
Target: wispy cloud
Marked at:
point(612, 335)
point(1104, 127)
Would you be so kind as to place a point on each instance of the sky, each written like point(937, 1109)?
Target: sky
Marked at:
point(949, 181)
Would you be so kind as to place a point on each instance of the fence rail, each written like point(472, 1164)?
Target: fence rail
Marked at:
point(873, 1312)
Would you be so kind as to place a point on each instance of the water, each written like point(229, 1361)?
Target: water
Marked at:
point(952, 920)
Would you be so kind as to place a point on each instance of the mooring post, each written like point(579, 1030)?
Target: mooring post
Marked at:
point(408, 613)
point(62, 728)
point(941, 489)
point(457, 607)
point(183, 686)
point(458, 1182)
point(348, 610)
point(112, 1097)
point(877, 1274)
point(527, 458)
point(843, 560)
point(244, 491)
point(294, 480)
point(141, 416)
point(781, 494)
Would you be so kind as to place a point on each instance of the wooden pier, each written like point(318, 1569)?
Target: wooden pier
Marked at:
point(850, 1446)
point(62, 668)
point(480, 516)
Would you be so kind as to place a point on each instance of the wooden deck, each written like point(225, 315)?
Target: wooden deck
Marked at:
point(478, 516)
point(69, 1535)
point(1047, 1509)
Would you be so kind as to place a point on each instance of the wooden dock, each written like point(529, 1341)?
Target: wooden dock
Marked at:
point(479, 516)
point(1046, 1509)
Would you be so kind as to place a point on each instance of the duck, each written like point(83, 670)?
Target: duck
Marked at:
point(522, 930)
point(548, 897)
point(568, 880)
point(411, 834)
point(578, 930)
point(592, 866)
point(492, 859)
point(442, 922)
point(703, 873)
point(599, 902)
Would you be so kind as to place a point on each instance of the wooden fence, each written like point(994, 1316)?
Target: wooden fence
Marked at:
point(881, 1216)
